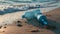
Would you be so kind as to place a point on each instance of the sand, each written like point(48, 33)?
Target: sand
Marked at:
point(53, 17)
point(25, 29)
point(53, 14)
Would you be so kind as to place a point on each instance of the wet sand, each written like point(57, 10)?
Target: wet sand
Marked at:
point(25, 29)
point(54, 19)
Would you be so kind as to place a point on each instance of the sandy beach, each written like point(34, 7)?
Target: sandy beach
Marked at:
point(11, 21)
point(53, 18)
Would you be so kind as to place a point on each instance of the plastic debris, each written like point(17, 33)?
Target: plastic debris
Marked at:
point(36, 14)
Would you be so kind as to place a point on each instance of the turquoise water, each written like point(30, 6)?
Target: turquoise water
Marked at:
point(11, 2)
point(27, 1)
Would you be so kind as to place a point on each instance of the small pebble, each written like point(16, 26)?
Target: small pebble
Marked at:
point(35, 31)
point(5, 24)
point(0, 27)
point(5, 27)
point(18, 21)
point(3, 31)
point(48, 15)
point(19, 25)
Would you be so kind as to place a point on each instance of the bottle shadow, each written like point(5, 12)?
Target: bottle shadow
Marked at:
point(50, 22)
point(56, 24)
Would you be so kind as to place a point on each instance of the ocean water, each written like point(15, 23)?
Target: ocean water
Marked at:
point(26, 1)
point(9, 18)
